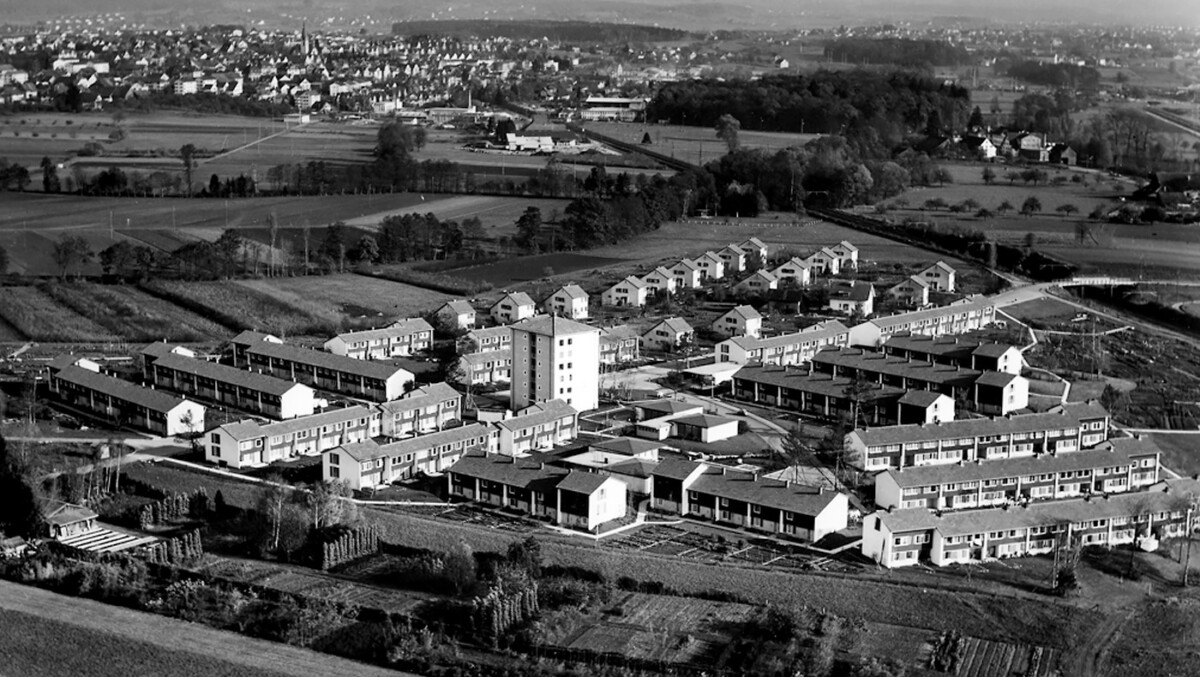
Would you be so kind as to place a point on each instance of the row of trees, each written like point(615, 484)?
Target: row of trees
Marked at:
point(903, 52)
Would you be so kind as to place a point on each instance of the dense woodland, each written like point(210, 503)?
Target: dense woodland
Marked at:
point(1065, 75)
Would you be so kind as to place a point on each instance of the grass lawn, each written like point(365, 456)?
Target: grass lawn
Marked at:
point(334, 297)
point(1042, 309)
point(694, 144)
point(1181, 451)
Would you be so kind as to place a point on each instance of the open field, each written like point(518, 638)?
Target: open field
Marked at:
point(45, 634)
point(36, 315)
point(333, 297)
point(527, 268)
point(132, 314)
point(1180, 451)
point(694, 144)
point(240, 307)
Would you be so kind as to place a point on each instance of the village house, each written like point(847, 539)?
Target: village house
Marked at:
point(745, 500)
point(687, 274)
point(425, 409)
point(979, 147)
point(64, 520)
point(851, 297)
point(372, 381)
point(250, 444)
point(630, 292)
point(457, 314)
point(538, 427)
point(79, 382)
point(513, 307)
point(939, 276)
point(1030, 147)
point(739, 321)
point(794, 269)
point(757, 284)
point(368, 464)
point(660, 281)
point(906, 537)
point(247, 390)
point(1067, 427)
point(668, 335)
point(400, 339)
point(569, 301)
point(913, 291)
point(571, 498)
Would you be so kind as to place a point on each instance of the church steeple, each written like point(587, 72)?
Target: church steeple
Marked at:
point(304, 37)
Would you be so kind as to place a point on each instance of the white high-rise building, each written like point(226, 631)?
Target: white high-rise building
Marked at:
point(555, 358)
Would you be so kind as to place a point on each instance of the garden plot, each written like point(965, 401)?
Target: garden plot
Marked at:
point(982, 658)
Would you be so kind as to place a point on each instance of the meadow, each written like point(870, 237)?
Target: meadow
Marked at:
point(132, 314)
point(37, 316)
point(335, 297)
point(694, 144)
point(239, 307)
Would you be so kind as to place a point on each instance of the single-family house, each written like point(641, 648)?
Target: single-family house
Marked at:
point(851, 297)
point(734, 258)
point(847, 255)
point(739, 321)
point(824, 262)
point(757, 284)
point(660, 281)
point(457, 314)
point(687, 274)
point(668, 335)
point(712, 266)
point(619, 345)
point(756, 248)
point(630, 292)
point(940, 277)
point(794, 270)
point(569, 301)
point(513, 307)
point(913, 291)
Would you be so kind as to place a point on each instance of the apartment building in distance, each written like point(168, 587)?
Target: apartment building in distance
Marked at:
point(960, 317)
point(368, 464)
point(363, 379)
point(906, 537)
point(425, 409)
point(80, 382)
point(555, 359)
point(251, 444)
point(1067, 427)
point(400, 339)
point(175, 368)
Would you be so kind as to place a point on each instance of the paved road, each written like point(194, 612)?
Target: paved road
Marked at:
point(128, 629)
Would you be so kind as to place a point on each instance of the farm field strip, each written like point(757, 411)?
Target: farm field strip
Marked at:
point(133, 314)
point(240, 307)
point(335, 296)
point(40, 317)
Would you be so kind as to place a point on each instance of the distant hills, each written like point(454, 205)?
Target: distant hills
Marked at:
point(568, 31)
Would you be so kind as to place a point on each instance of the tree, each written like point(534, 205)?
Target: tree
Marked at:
point(118, 257)
point(989, 175)
point(943, 176)
point(328, 506)
point(527, 555)
point(4, 262)
point(976, 119)
point(20, 509)
point(273, 496)
point(529, 229)
point(187, 155)
point(1099, 212)
point(795, 447)
point(1030, 241)
point(366, 251)
point(727, 130)
point(71, 250)
point(1005, 207)
point(1066, 209)
point(1031, 206)
point(228, 246)
point(50, 181)
point(459, 567)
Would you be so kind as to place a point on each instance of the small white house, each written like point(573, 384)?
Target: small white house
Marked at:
point(795, 270)
point(851, 296)
point(457, 314)
point(847, 254)
point(759, 282)
point(628, 292)
point(940, 276)
point(914, 291)
point(734, 258)
point(712, 266)
point(660, 281)
point(513, 307)
point(824, 261)
point(667, 335)
point(755, 247)
point(569, 301)
point(687, 274)
point(739, 321)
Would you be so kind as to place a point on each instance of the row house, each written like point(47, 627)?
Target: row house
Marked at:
point(630, 292)
point(839, 398)
point(457, 314)
point(991, 392)
point(79, 382)
point(425, 409)
point(486, 340)
point(1115, 466)
point(668, 335)
point(959, 317)
point(372, 381)
point(487, 368)
point(747, 501)
point(619, 345)
point(538, 427)
point(369, 464)
point(907, 537)
point(967, 351)
point(738, 321)
point(787, 349)
point(246, 390)
point(513, 307)
point(251, 444)
point(1065, 428)
point(400, 339)
point(570, 498)
point(569, 301)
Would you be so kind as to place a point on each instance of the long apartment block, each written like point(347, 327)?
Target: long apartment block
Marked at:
point(363, 379)
point(250, 444)
point(1115, 466)
point(367, 464)
point(79, 382)
point(400, 339)
point(422, 410)
point(969, 314)
point(177, 369)
point(786, 349)
point(905, 537)
point(1067, 427)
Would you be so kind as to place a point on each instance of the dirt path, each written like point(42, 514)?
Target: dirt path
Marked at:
point(1085, 660)
point(178, 637)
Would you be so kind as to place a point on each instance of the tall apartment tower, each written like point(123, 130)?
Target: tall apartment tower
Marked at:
point(554, 358)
